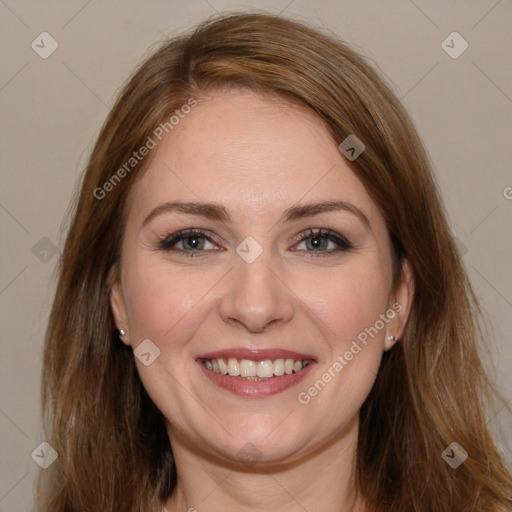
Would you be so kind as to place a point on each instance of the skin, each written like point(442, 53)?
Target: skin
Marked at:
point(257, 157)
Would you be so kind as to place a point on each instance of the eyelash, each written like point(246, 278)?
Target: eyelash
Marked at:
point(168, 243)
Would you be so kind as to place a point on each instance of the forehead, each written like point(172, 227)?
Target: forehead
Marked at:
point(256, 154)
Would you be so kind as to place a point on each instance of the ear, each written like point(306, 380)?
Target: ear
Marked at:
point(118, 308)
point(401, 300)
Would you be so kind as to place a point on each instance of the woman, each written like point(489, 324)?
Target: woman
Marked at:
point(260, 305)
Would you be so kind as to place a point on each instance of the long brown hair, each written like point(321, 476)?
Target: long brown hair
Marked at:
point(114, 451)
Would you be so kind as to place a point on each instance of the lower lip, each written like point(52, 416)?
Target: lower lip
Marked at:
point(256, 388)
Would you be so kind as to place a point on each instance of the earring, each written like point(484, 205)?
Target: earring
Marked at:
point(122, 332)
point(391, 338)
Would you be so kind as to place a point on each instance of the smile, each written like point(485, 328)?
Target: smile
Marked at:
point(255, 370)
point(255, 373)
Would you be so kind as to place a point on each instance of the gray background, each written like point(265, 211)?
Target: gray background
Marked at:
point(52, 110)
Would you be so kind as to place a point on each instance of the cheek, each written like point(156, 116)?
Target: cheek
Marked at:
point(347, 301)
point(348, 305)
point(166, 306)
point(160, 299)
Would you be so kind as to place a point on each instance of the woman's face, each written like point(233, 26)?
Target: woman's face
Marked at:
point(288, 260)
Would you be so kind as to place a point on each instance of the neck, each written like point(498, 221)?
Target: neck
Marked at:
point(324, 481)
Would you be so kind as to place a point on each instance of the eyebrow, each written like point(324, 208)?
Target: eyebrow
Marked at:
point(215, 211)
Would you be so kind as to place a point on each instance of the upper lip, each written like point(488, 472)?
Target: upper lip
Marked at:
point(256, 354)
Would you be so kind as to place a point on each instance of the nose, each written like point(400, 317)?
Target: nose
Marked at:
point(256, 297)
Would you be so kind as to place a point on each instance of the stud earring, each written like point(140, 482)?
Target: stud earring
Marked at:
point(122, 332)
point(391, 338)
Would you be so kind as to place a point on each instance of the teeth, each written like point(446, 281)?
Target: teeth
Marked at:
point(247, 368)
point(279, 367)
point(254, 369)
point(233, 367)
point(265, 368)
point(222, 366)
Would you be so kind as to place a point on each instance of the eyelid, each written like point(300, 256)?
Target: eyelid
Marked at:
point(341, 241)
point(168, 243)
point(165, 242)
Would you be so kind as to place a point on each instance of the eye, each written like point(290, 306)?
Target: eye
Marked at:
point(324, 242)
point(192, 241)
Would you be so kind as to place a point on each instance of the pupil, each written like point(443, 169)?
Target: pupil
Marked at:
point(318, 242)
point(193, 242)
